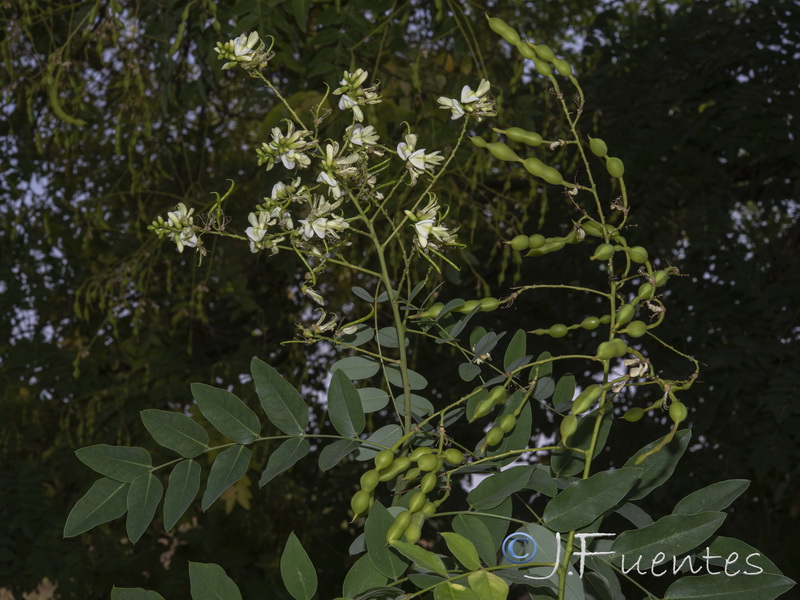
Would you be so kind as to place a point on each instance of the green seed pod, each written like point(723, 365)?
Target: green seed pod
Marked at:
point(592, 228)
point(494, 437)
point(411, 474)
point(453, 456)
point(468, 306)
point(563, 67)
point(504, 30)
point(489, 304)
point(603, 252)
point(552, 176)
point(646, 291)
point(498, 395)
point(558, 330)
point(479, 141)
point(419, 451)
point(625, 313)
point(520, 243)
point(598, 147)
point(615, 167)
point(534, 166)
point(678, 412)
point(638, 255)
point(428, 482)
point(369, 480)
point(661, 277)
point(429, 509)
point(432, 312)
point(542, 67)
point(530, 138)
point(507, 423)
point(417, 501)
point(383, 459)
point(526, 50)
point(501, 151)
point(605, 319)
point(636, 329)
point(398, 526)
point(590, 323)
point(612, 349)
point(484, 408)
point(633, 414)
point(428, 462)
point(586, 399)
point(537, 240)
point(360, 502)
point(544, 52)
point(399, 466)
point(551, 245)
point(568, 427)
point(414, 531)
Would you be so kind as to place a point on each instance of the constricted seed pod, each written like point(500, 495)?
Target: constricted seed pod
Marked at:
point(590, 323)
point(383, 459)
point(500, 151)
point(498, 395)
point(494, 437)
point(479, 141)
point(592, 228)
point(544, 52)
point(484, 408)
point(417, 501)
point(625, 313)
point(530, 138)
point(603, 252)
point(507, 423)
point(611, 349)
point(542, 66)
point(636, 329)
point(414, 530)
point(360, 502)
point(398, 526)
point(526, 50)
point(428, 482)
point(646, 291)
point(568, 427)
point(586, 399)
point(520, 242)
point(399, 466)
point(504, 30)
point(563, 67)
point(419, 451)
point(661, 277)
point(678, 412)
point(638, 254)
point(489, 304)
point(536, 241)
point(558, 330)
point(453, 456)
point(615, 167)
point(369, 480)
point(598, 147)
point(429, 463)
point(633, 414)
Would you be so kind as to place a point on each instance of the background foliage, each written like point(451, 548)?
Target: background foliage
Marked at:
point(100, 321)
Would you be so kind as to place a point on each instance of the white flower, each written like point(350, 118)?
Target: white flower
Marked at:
point(456, 110)
point(346, 102)
point(407, 146)
point(333, 185)
point(289, 148)
point(417, 161)
point(323, 226)
point(468, 96)
point(180, 217)
point(244, 45)
point(363, 136)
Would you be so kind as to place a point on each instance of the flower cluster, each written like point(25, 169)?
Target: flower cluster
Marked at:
point(417, 161)
point(474, 103)
point(428, 226)
point(353, 95)
point(178, 227)
point(247, 51)
point(290, 149)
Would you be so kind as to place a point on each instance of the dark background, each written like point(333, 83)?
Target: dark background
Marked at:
point(99, 320)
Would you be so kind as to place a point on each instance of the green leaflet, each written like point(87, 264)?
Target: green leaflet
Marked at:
point(279, 399)
point(227, 413)
point(175, 431)
point(228, 468)
point(121, 463)
point(182, 488)
point(144, 494)
point(210, 582)
point(105, 501)
point(297, 571)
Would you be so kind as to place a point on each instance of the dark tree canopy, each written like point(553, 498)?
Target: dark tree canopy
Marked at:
point(116, 111)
